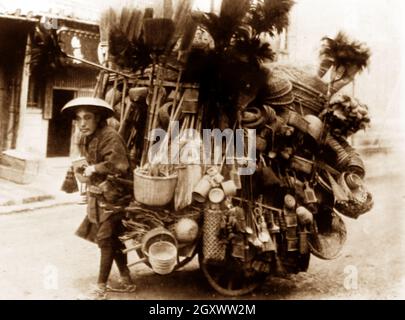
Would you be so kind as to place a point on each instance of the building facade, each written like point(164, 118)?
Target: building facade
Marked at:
point(14, 32)
point(31, 98)
point(50, 133)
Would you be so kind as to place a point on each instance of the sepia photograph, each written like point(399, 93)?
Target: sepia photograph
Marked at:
point(213, 150)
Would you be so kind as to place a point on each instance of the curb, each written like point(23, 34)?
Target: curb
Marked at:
point(46, 202)
point(27, 200)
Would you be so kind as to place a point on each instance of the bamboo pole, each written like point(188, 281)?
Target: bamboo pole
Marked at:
point(129, 76)
point(146, 140)
point(124, 93)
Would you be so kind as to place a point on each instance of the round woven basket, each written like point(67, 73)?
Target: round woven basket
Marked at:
point(153, 191)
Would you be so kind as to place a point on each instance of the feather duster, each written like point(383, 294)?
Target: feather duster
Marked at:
point(270, 16)
point(344, 53)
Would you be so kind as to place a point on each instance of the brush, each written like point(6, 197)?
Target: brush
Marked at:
point(70, 184)
point(157, 32)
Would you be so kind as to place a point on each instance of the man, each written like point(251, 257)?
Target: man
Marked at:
point(105, 153)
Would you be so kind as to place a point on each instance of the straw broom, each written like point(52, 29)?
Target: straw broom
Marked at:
point(156, 34)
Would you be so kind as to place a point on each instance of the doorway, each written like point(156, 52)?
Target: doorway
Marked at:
point(60, 126)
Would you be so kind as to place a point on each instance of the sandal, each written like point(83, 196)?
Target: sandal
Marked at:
point(99, 292)
point(125, 285)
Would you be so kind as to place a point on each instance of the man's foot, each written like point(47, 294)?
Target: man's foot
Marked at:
point(125, 284)
point(99, 292)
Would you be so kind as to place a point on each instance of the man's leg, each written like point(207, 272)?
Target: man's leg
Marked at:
point(121, 261)
point(106, 260)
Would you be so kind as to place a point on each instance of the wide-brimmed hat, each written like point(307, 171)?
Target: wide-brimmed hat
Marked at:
point(95, 105)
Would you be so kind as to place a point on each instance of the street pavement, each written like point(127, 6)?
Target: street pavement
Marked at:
point(41, 258)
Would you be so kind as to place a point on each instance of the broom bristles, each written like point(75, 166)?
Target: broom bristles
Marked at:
point(189, 34)
point(181, 20)
point(107, 21)
point(135, 26)
point(167, 9)
point(70, 184)
point(148, 14)
point(125, 19)
point(236, 9)
point(157, 32)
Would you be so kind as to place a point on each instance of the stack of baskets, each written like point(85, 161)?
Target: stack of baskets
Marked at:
point(160, 246)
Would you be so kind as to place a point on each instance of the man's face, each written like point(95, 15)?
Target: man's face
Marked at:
point(86, 121)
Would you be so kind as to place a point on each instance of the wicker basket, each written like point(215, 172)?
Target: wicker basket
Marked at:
point(308, 89)
point(153, 191)
point(360, 200)
point(213, 248)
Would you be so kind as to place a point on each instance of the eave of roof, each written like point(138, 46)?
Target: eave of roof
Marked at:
point(18, 18)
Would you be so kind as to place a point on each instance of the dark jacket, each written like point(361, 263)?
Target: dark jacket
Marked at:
point(106, 150)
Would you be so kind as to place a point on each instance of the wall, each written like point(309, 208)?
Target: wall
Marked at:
point(3, 107)
point(12, 49)
point(36, 128)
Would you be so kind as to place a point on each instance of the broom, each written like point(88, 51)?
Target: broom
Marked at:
point(135, 26)
point(167, 9)
point(181, 19)
point(156, 34)
point(107, 20)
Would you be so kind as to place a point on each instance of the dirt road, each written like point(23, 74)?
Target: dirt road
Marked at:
point(40, 258)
